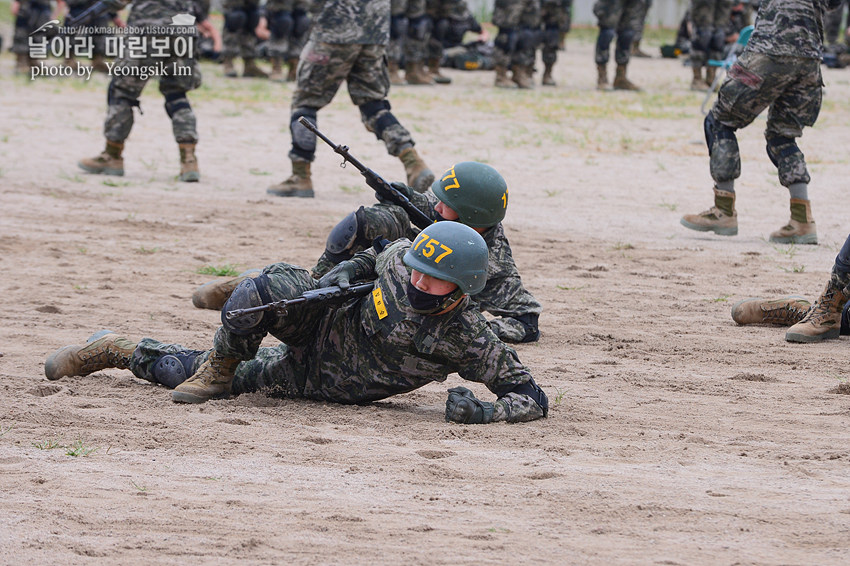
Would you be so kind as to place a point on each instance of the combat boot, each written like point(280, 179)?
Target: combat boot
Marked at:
point(99, 353)
point(189, 172)
point(212, 381)
point(801, 228)
point(786, 311)
point(698, 83)
point(502, 80)
point(638, 52)
point(547, 79)
point(415, 74)
point(434, 69)
point(621, 82)
point(292, 74)
point(395, 74)
point(522, 76)
point(419, 177)
point(229, 69)
point(602, 77)
point(299, 184)
point(98, 64)
point(823, 321)
point(109, 162)
point(251, 70)
point(710, 74)
point(277, 71)
point(720, 218)
point(214, 294)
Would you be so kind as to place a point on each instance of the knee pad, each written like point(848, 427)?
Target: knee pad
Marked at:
point(625, 38)
point(252, 292)
point(281, 24)
point(606, 36)
point(718, 41)
point(528, 39)
point(398, 27)
point(303, 140)
point(419, 27)
point(779, 148)
point(371, 108)
point(377, 116)
point(442, 29)
point(253, 20)
point(715, 131)
point(531, 389)
point(176, 101)
point(235, 20)
point(301, 23)
point(702, 39)
point(506, 40)
point(171, 370)
point(551, 37)
point(348, 234)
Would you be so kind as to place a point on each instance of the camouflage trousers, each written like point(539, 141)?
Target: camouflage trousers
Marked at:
point(516, 42)
point(620, 18)
point(181, 75)
point(238, 44)
point(322, 69)
point(555, 19)
point(29, 19)
point(791, 89)
point(710, 19)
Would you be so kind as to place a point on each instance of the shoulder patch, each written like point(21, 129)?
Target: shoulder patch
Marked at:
point(378, 299)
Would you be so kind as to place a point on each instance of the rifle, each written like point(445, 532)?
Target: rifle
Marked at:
point(320, 295)
point(378, 183)
point(88, 15)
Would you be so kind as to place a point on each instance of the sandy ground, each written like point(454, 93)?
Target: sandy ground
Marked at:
point(674, 437)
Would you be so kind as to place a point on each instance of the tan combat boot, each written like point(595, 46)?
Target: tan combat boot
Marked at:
point(710, 74)
point(434, 69)
point(98, 64)
point(720, 218)
point(547, 79)
point(698, 83)
point(395, 73)
point(251, 70)
point(189, 172)
point(522, 76)
point(801, 228)
point(23, 63)
point(638, 52)
point(602, 77)
point(109, 162)
point(419, 177)
point(109, 351)
point(229, 69)
point(786, 311)
point(502, 80)
point(299, 184)
point(214, 294)
point(293, 70)
point(415, 74)
point(823, 321)
point(277, 71)
point(621, 82)
point(212, 381)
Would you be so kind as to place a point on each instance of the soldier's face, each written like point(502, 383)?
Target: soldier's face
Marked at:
point(431, 285)
point(446, 212)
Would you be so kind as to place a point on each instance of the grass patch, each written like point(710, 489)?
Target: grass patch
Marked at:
point(5, 429)
point(226, 270)
point(146, 251)
point(79, 450)
point(47, 445)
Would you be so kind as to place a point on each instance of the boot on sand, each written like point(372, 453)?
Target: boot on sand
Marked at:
point(299, 184)
point(823, 321)
point(720, 218)
point(109, 162)
point(104, 350)
point(801, 227)
point(212, 381)
point(786, 311)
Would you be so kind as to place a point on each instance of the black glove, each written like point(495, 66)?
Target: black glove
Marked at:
point(400, 187)
point(463, 407)
point(341, 275)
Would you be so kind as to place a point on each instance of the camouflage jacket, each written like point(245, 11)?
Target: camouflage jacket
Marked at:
point(365, 22)
point(159, 12)
point(790, 28)
point(378, 346)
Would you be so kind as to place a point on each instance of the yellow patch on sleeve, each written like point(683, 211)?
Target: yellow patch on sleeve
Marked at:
point(378, 299)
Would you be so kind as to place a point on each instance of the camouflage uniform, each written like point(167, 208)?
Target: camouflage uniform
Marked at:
point(555, 19)
point(780, 70)
point(240, 20)
point(76, 7)
point(504, 295)
point(31, 15)
point(398, 31)
point(125, 89)
point(350, 353)
point(415, 45)
point(348, 43)
point(518, 22)
point(446, 16)
point(289, 24)
point(620, 18)
point(832, 24)
point(710, 21)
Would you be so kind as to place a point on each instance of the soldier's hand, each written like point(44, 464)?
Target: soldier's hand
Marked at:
point(463, 407)
point(400, 187)
point(340, 276)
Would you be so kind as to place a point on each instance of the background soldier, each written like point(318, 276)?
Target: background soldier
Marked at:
point(29, 16)
point(779, 69)
point(286, 25)
point(636, 50)
point(832, 24)
point(125, 88)
point(416, 43)
point(399, 25)
point(555, 19)
point(516, 42)
point(710, 23)
point(348, 43)
point(241, 18)
point(74, 9)
point(419, 309)
point(618, 18)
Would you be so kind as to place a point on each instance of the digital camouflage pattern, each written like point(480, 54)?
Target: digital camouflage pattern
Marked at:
point(288, 47)
point(555, 19)
point(365, 22)
point(790, 28)
point(241, 42)
point(504, 295)
point(125, 89)
point(366, 349)
point(513, 17)
point(710, 19)
point(625, 17)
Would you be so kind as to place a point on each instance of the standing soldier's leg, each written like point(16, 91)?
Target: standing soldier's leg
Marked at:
point(552, 20)
point(608, 14)
point(641, 24)
point(506, 15)
point(248, 44)
point(368, 86)
point(629, 22)
point(280, 24)
point(702, 18)
point(398, 34)
point(235, 20)
point(183, 122)
point(416, 44)
point(300, 33)
point(522, 62)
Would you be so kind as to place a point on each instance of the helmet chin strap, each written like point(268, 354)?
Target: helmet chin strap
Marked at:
point(426, 303)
